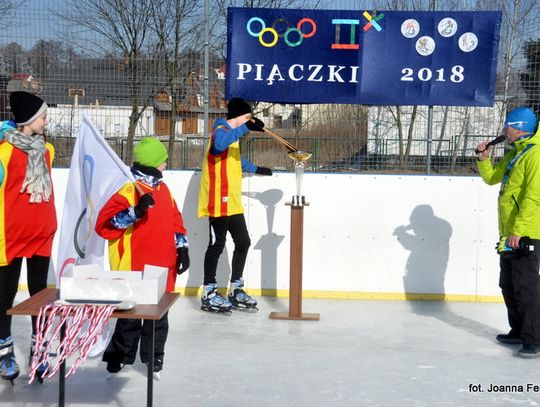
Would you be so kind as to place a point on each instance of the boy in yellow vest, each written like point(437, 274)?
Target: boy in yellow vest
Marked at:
point(220, 198)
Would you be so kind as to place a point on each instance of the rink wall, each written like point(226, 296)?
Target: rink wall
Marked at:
point(365, 236)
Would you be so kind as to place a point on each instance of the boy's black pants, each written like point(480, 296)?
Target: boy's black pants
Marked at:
point(123, 345)
point(236, 226)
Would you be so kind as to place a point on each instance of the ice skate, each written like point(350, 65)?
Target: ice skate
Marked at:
point(239, 299)
point(9, 369)
point(212, 301)
point(113, 368)
point(158, 367)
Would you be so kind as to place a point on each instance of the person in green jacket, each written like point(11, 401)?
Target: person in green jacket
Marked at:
point(519, 227)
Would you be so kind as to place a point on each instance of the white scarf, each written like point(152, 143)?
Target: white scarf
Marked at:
point(37, 181)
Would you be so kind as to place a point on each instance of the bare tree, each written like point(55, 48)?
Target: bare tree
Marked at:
point(174, 23)
point(222, 5)
point(7, 7)
point(13, 58)
point(404, 148)
point(463, 132)
point(513, 34)
point(47, 56)
point(13, 53)
point(122, 25)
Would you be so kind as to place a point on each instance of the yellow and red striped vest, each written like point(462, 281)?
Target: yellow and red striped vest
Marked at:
point(147, 241)
point(26, 229)
point(220, 192)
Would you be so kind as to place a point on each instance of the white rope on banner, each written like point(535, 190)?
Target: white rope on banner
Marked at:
point(83, 326)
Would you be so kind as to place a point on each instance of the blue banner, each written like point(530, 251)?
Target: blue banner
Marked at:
point(362, 57)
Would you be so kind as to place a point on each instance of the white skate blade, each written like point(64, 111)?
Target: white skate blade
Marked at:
point(225, 313)
point(213, 311)
point(157, 376)
point(249, 310)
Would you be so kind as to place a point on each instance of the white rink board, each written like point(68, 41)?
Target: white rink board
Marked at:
point(349, 241)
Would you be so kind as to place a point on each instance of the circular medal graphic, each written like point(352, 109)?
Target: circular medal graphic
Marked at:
point(425, 45)
point(447, 27)
point(468, 42)
point(410, 28)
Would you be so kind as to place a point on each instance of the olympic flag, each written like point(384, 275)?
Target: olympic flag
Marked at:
point(95, 174)
point(360, 57)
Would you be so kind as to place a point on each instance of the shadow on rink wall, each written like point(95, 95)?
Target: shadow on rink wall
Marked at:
point(427, 237)
point(269, 242)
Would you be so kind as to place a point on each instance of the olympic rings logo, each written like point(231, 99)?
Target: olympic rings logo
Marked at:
point(281, 29)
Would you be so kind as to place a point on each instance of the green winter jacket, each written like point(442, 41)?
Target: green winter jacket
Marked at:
point(519, 197)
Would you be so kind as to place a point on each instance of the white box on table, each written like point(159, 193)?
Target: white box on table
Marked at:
point(89, 282)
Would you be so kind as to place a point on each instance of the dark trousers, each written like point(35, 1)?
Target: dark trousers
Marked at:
point(236, 226)
point(123, 345)
point(37, 269)
point(520, 284)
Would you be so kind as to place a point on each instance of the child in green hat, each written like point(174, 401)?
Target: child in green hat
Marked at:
point(143, 226)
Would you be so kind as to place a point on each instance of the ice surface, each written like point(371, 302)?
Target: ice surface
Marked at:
point(360, 353)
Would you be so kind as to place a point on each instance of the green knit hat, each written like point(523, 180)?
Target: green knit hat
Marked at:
point(150, 152)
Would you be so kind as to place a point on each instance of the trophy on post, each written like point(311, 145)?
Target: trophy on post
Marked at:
point(297, 236)
point(300, 158)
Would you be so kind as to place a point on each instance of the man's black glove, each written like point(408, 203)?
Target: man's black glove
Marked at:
point(255, 124)
point(263, 171)
point(182, 259)
point(145, 202)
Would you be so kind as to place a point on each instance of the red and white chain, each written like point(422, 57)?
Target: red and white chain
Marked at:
point(75, 343)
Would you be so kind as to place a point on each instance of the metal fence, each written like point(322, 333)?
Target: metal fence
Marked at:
point(138, 68)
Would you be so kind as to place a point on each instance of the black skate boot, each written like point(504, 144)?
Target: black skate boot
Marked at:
point(212, 301)
point(239, 299)
point(9, 369)
point(113, 368)
point(158, 367)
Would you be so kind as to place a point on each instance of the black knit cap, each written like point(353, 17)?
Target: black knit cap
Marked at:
point(237, 107)
point(26, 107)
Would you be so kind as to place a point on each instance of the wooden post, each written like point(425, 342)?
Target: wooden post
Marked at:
point(295, 280)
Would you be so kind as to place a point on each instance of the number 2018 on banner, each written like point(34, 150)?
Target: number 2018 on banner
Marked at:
point(440, 75)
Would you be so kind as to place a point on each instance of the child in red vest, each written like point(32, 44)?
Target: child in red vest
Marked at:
point(143, 229)
point(27, 213)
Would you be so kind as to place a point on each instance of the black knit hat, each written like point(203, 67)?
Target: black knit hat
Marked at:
point(26, 107)
point(237, 107)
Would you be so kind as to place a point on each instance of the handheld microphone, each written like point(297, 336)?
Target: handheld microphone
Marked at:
point(493, 142)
